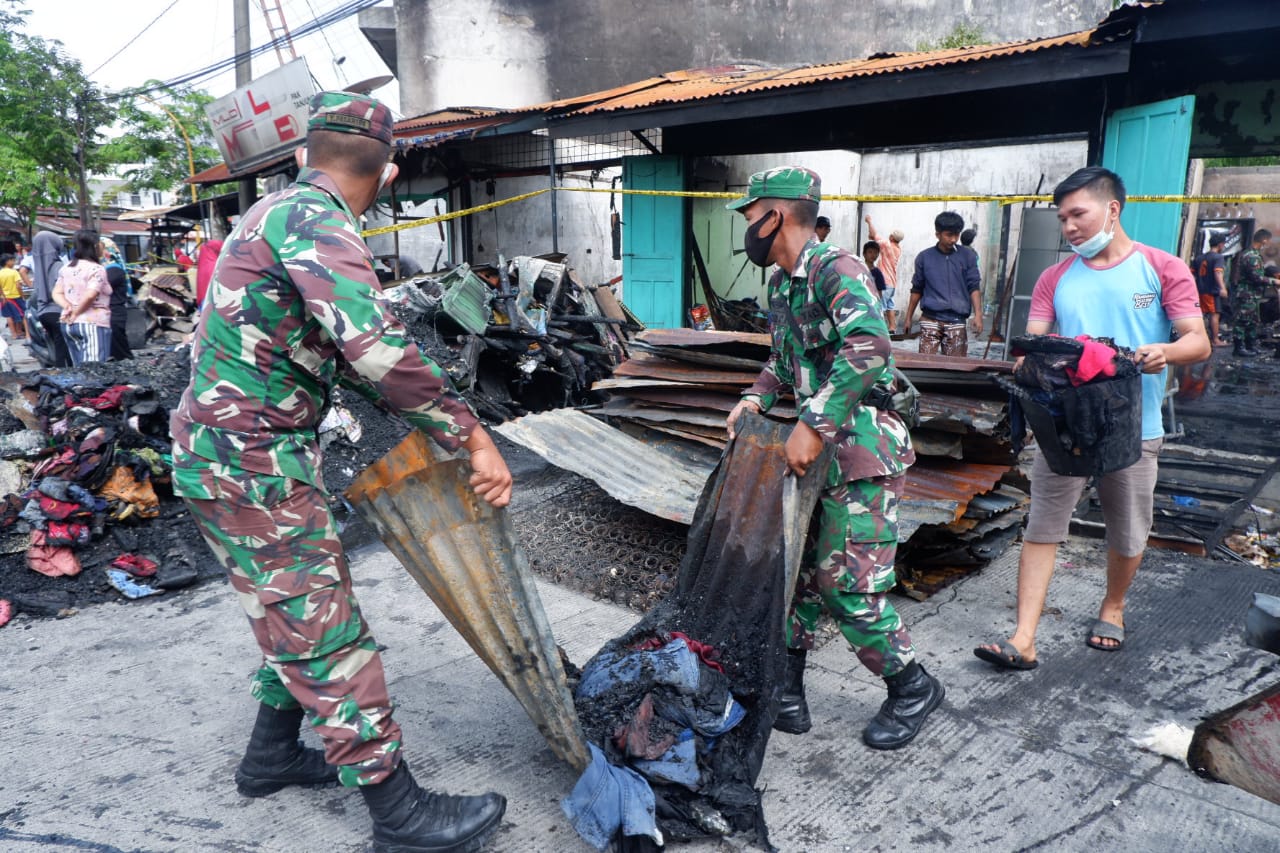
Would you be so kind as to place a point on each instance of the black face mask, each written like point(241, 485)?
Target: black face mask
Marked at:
point(757, 247)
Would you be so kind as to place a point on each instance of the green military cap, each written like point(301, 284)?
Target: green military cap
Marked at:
point(346, 112)
point(794, 182)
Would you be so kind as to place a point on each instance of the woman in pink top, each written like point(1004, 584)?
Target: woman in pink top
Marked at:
point(85, 296)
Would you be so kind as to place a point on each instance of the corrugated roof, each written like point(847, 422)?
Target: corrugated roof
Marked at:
point(449, 115)
point(639, 474)
point(696, 85)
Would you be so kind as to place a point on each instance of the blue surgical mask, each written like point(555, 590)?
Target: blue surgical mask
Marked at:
point(1095, 244)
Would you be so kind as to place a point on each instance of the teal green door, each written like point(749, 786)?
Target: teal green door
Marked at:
point(1148, 146)
point(653, 243)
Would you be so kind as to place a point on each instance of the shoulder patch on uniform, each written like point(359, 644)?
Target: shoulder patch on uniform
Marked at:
point(1143, 300)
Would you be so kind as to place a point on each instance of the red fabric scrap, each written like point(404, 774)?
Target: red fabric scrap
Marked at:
point(6, 612)
point(51, 560)
point(57, 510)
point(133, 564)
point(65, 533)
point(52, 466)
point(706, 652)
point(637, 738)
point(1097, 360)
point(108, 399)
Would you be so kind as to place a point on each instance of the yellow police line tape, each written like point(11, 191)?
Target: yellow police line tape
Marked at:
point(1264, 198)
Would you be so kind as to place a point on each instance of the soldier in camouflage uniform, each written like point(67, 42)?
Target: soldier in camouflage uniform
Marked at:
point(1251, 292)
point(831, 347)
point(291, 310)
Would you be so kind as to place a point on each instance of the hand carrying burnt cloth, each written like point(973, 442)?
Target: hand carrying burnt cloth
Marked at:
point(1085, 410)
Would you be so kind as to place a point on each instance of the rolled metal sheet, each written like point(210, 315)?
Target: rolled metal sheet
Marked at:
point(465, 556)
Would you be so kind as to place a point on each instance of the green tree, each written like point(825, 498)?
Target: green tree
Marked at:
point(157, 129)
point(51, 115)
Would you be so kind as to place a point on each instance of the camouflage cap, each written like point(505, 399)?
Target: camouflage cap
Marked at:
point(346, 112)
point(795, 182)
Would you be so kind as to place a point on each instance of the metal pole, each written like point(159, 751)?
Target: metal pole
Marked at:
point(555, 214)
point(244, 75)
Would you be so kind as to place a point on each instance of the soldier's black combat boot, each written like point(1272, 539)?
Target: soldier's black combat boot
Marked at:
point(410, 819)
point(1244, 348)
point(913, 694)
point(276, 758)
point(793, 712)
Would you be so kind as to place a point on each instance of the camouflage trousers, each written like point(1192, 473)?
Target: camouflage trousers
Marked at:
point(847, 571)
point(1247, 320)
point(276, 540)
point(941, 336)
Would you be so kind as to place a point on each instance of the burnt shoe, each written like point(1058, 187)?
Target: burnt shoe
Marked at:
point(276, 759)
point(913, 694)
point(793, 710)
point(410, 819)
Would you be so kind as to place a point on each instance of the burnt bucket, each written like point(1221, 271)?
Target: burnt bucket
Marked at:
point(465, 556)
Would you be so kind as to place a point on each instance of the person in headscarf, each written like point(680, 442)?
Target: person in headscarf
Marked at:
point(118, 278)
point(47, 261)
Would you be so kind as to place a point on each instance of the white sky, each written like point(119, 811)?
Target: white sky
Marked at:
point(197, 33)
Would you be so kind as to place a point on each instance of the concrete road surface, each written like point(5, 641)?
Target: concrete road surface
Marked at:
point(125, 723)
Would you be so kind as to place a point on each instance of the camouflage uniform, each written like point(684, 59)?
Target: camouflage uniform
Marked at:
point(831, 346)
point(292, 310)
point(1250, 293)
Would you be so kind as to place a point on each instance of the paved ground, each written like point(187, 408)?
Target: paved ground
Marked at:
point(126, 722)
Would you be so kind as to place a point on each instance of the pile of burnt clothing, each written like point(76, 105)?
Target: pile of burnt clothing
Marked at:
point(656, 710)
point(94, 465)
point(1082, 398)
point(522, 336)
point(709, 660)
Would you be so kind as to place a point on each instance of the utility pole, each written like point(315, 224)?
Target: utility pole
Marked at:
point(244, 76)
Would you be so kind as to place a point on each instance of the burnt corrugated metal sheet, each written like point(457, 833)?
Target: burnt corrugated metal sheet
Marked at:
point(627, 468)
point(641, 475)
point(466, 557)
point(953, 413)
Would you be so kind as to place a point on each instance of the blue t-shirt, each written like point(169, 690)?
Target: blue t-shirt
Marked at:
point(1133, 302)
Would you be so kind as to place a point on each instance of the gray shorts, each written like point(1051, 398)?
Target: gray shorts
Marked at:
point(1126, 495)
point(886, 299)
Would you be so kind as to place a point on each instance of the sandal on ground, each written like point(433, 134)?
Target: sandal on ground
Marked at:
point(1105, 631)
point(1007, 658)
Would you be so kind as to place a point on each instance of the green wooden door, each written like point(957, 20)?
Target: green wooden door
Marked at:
point(1148, 146)
point(653, 241)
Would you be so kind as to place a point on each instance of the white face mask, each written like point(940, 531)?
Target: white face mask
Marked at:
point(386, 176)
point(1095, 244)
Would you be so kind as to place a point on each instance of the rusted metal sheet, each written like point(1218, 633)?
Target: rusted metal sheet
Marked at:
point(1241, 745)
point(653, 367)
point(938, 491)
point(626, 468)
point(465, 555)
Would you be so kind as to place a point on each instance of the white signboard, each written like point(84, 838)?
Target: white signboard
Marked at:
point(264, 119)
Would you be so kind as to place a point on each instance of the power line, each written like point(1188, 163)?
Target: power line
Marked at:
point(130, 42)
point(330, 18)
